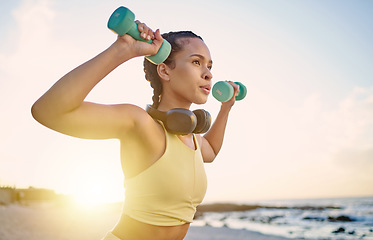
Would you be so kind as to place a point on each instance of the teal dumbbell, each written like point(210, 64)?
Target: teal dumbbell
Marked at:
point(223, 91)
point(122, 21)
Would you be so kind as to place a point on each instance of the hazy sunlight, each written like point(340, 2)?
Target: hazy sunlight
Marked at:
point(91, 190)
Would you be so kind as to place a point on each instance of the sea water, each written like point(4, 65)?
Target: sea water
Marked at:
point(332, 219)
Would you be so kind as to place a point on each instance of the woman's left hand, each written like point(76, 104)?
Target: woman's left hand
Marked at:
point(232, 101)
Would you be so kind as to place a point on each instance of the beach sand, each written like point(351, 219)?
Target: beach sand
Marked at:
point(46, 222)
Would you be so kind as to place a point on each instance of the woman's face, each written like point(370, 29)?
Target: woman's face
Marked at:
point(190, 79)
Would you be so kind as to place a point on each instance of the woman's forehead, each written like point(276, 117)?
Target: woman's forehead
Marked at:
point(194, 47)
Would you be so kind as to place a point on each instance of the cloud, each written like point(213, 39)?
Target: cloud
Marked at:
point(358, 160)
point(352, 134)
point(351, 124)
point(24, 64)
point(34, 19)
point(24, 72)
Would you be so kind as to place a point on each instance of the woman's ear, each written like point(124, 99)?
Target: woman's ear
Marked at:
point(163, 71)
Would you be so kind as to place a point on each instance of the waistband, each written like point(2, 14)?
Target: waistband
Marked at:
point(111, 236)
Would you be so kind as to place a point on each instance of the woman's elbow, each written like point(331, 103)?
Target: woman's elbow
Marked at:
point(35, 110)
point(209, 160)
point(209, 157)
point(38, 112)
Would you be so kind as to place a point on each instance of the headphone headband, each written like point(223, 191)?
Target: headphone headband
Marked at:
point(182, 121)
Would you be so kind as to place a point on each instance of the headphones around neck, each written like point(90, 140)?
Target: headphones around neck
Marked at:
point(182, 121)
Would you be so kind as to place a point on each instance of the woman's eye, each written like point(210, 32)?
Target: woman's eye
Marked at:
point(197, 62)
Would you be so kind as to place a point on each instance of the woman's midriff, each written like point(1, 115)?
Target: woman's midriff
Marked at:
point(131, 229)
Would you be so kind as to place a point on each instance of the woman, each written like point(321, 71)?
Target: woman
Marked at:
point(164, 175)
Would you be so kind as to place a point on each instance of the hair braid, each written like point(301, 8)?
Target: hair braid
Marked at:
point(157, 91)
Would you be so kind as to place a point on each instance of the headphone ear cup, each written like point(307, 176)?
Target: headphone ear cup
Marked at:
point(203, 121)
point(180, 121)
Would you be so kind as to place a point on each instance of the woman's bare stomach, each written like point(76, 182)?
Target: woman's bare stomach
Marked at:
point(131, 229)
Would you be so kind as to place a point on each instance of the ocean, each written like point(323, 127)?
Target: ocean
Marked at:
point(329, 219)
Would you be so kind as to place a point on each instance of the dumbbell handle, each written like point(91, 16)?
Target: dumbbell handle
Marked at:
point(223, 91)
point(122, 21)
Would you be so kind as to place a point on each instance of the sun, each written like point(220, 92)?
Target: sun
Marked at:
point(93, 197)
point(92, 189)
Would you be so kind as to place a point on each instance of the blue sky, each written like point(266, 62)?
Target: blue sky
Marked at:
point(304, 130)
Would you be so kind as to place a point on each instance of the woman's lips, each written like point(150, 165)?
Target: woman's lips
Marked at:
point(206, 89)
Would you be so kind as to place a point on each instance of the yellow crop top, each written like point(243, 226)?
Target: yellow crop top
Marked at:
point(168, 192)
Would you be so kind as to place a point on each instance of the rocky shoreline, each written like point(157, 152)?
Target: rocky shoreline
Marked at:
point(231, 207)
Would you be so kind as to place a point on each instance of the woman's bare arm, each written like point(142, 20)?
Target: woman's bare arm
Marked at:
point(62, 107)
point(212, 141)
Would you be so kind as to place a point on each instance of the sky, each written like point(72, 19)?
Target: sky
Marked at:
point(304, 130)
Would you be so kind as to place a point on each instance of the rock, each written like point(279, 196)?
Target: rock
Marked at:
point(223, 218)
point(319, 219)
point(339, 230)
point(344, 219)
point(270, 219)
point(340, 219)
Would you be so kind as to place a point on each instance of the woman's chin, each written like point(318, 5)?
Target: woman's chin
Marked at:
point(201, 101)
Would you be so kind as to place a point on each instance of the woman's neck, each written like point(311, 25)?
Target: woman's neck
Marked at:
point(167, 104)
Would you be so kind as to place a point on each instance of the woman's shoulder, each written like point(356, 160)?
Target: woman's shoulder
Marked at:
point(144, 126)
point(131, 112)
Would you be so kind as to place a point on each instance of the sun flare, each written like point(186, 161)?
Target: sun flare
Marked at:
point(91, 190)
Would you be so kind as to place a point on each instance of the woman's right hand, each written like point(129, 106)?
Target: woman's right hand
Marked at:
point(128, 45)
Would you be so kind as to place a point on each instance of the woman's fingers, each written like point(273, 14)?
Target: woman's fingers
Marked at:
point(235, 87)
point(145, 32)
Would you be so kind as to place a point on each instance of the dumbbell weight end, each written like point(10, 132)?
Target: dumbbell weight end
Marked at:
point(223, 91)
point(122, 21)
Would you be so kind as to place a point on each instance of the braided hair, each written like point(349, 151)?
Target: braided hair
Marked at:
point(150, 69)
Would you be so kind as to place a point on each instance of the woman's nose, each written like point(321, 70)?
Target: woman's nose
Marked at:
point(207, 75)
